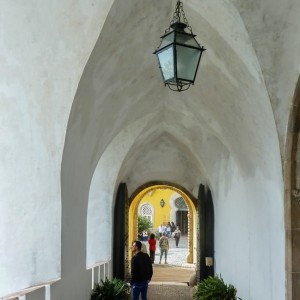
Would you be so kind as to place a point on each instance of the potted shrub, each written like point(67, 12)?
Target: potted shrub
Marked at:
point(114, 289)
point(216, 289)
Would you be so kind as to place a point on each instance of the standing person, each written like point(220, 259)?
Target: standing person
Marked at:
point(164, 247)
point(140, 236)
point(160, 229)
point(177, 234)
point(173, 227)
point(168, 231)
point(141, 272)
point(152, 246)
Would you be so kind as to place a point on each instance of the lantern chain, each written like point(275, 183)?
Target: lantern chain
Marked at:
point(179, 12)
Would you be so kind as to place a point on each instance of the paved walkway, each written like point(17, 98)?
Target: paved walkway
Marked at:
point(170, 292)
point(172, 274)
point(169, 282)
point(176, 256)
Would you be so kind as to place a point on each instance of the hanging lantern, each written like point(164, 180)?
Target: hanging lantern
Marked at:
point(179, 53)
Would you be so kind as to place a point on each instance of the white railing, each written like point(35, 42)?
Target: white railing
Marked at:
point(100, 271)
point(41, 291)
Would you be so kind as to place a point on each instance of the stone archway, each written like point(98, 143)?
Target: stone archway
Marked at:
point(135, 199)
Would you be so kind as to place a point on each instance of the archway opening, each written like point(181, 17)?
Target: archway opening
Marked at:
point(164, 203)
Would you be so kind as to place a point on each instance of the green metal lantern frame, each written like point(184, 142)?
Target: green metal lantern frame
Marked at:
point(182, 51)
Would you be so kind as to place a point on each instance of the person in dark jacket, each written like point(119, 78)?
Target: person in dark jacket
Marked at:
point(141, 272)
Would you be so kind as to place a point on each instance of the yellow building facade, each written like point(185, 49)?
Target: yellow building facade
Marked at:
point(156, 206)
point(160, 204)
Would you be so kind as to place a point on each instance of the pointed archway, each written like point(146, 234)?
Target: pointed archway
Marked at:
point(138, 194)
point(200, 227)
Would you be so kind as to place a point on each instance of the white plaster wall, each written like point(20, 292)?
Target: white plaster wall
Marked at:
point(275, 23)
point(103, 191)
point(173, 206)
point(44, 48)
point(161, 161)
point(249, 236)
point(228, 108)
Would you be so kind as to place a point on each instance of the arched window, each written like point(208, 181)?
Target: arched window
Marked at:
point(180, 204)
point(147, 211)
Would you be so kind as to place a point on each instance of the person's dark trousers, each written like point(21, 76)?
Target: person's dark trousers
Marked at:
point(152, 256)
point(139, 288)
point(177, 238)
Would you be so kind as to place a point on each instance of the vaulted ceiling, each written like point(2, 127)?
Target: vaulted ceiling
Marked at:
point(239, 104)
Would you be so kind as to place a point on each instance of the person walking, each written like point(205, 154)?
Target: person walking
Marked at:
point(177, 234)
point(141, 272)
point(152, 246)
point(164, 247)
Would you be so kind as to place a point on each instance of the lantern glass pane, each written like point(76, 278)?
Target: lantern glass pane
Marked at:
point(166, 61)
point(187, 62)
point(167, 40)
point(186, 39)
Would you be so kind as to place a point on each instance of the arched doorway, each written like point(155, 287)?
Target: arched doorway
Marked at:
point(182, 214)
point(191, 220)
point(200, 226)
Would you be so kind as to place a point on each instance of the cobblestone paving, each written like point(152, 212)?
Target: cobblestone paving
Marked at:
point(176, 256)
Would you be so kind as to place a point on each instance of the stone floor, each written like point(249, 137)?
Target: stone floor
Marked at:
point(176, 256)
point(172, 274)
point(170, 292)
point(168, 287)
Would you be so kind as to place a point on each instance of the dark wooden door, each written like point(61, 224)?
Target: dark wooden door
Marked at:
point(205, 245)
point(120, 237)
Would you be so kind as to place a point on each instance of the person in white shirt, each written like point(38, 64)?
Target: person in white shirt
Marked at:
point(161, 229)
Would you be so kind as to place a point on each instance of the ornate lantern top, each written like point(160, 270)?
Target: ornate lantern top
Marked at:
point(177, 19)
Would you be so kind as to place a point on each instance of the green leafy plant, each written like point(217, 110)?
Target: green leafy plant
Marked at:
point(144, 224)
point(114, 289)
point(214, 288)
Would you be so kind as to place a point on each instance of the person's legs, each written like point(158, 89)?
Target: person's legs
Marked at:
point(176, 240)
point(166, 255)
point(152, 256)
point(136, 290)
point(144, 290)
point(161, 254)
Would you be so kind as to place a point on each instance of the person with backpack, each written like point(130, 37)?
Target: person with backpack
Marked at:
point(164, 247)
